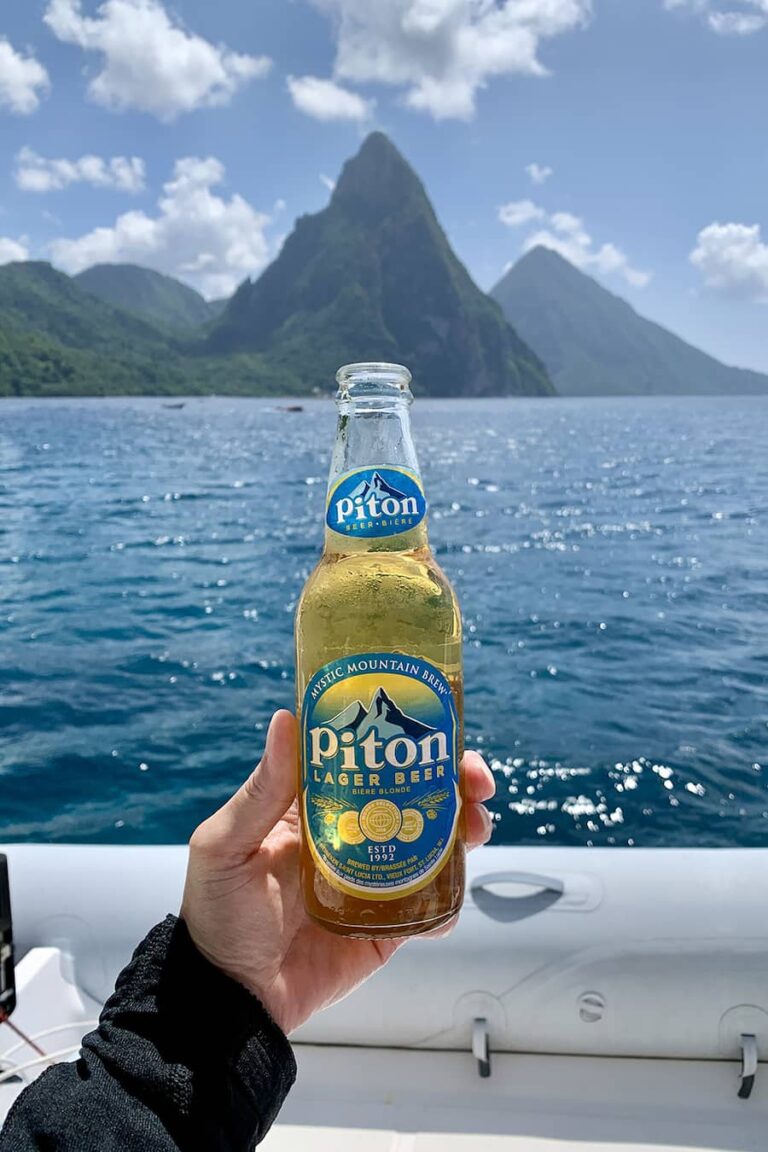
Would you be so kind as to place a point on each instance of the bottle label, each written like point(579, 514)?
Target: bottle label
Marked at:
point(370, 502)
point(380, 791)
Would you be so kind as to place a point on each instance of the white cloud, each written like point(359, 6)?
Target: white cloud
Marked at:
point(519, 212)
point(566, 234)
point(736, 23)
point(733, 259)
point(35, 173)
point(567, 223)
point(22, 80)
point(443, 51)
point(326, 180)
point(150, 62)
point(740, 18)
point(12, 250)
point(325, 100)
point(200, 237)
point(538, 173)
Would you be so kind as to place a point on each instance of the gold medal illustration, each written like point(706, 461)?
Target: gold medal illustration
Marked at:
point(380, 820)
point(348, 828)
point(413, 825)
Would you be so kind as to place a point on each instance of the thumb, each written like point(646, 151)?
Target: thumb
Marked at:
point(267, 794)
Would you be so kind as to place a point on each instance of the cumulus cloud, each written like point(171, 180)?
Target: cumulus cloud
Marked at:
point(23, 80)
point(149, 62)
point(733, 259)
point(11, 250)
point(442, 52)
point(197, 235)
point(35, 173)
point(325, 100)
point(519, 212)
point(739, 18)
point(538, 173)
point(566, 234)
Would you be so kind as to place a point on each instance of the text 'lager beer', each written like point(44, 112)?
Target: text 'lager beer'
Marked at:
point(378, 659)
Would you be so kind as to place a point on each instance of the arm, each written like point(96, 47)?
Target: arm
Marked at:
point(183, 1058)
point(190, 1053)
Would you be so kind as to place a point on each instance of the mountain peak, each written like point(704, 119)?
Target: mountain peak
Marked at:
point(373, 277)
point(376, 486)
point(383, 713)
point(381, 699)
point(376, 144)
point(145, 292)
point(547, 273)
point(594, 343)
point(378, 179)
point(542, 254)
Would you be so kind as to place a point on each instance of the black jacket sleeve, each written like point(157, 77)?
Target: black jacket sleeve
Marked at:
point(183, 1059)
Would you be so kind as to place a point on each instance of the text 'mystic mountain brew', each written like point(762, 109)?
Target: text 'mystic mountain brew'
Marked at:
point(378, 654)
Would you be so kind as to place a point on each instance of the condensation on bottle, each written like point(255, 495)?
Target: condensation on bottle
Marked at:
point(379, 685)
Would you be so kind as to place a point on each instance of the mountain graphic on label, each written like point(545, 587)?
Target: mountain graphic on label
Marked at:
point(382, 714)
point(376, 486)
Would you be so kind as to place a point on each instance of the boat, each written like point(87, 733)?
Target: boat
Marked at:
point(589, 1000)
point(179, 405)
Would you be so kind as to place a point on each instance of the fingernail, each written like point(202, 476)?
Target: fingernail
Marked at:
point(488, 821)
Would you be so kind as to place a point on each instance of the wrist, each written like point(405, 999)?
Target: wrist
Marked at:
point(237, 974)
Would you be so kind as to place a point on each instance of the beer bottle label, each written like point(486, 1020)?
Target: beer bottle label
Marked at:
point(371, 502)
point(381, 778)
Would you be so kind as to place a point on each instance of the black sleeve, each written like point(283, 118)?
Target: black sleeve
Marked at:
point(183, 1059)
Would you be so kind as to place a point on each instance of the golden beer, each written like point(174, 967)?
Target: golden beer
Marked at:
point(379, 685)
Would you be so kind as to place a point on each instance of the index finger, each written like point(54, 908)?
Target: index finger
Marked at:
point(479, 783)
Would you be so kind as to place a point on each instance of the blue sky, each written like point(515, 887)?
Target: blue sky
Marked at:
point(188, 136)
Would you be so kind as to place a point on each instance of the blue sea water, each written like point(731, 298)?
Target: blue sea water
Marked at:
point(611, 557)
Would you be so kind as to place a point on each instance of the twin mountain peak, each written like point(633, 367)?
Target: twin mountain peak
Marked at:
point(370, 277)
point(376, 487)
point(382, 714)
point(373, 277)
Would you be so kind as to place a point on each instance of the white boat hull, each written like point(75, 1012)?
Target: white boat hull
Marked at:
point(615, 985)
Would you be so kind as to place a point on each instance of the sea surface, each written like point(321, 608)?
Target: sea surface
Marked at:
point(611, 558)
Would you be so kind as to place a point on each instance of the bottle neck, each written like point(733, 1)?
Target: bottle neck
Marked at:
point(375, 496)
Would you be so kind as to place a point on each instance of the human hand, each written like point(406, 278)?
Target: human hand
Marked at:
point(243, 904)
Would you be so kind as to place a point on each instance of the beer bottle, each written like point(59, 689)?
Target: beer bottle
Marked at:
point(379, 685)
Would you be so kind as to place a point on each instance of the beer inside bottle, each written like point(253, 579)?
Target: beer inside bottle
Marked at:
point(379, 685)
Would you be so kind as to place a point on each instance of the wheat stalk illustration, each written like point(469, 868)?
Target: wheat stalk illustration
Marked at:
point(328, 804)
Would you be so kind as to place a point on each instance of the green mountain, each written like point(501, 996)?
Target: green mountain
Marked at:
point(57, 339)
point(374, 277)
point(595, 344)
point(35, 297)
point(159, 299)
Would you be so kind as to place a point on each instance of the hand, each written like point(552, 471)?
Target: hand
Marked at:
point(243, 904)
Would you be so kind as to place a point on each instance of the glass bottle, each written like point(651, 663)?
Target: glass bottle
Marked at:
point(379, 685)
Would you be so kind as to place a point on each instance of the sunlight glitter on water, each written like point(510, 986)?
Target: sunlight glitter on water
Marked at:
point(609, 559)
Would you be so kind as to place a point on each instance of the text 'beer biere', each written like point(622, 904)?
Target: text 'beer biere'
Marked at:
point(379, 687)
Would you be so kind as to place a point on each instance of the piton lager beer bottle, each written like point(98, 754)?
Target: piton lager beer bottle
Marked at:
point(379, 686)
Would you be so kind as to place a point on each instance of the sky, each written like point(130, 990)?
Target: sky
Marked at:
point(187, 136)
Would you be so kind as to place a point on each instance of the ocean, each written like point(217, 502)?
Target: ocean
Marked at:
point(611, 558)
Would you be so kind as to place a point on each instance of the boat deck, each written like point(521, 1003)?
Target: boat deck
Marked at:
point(390, 1100)
point(643, 970)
